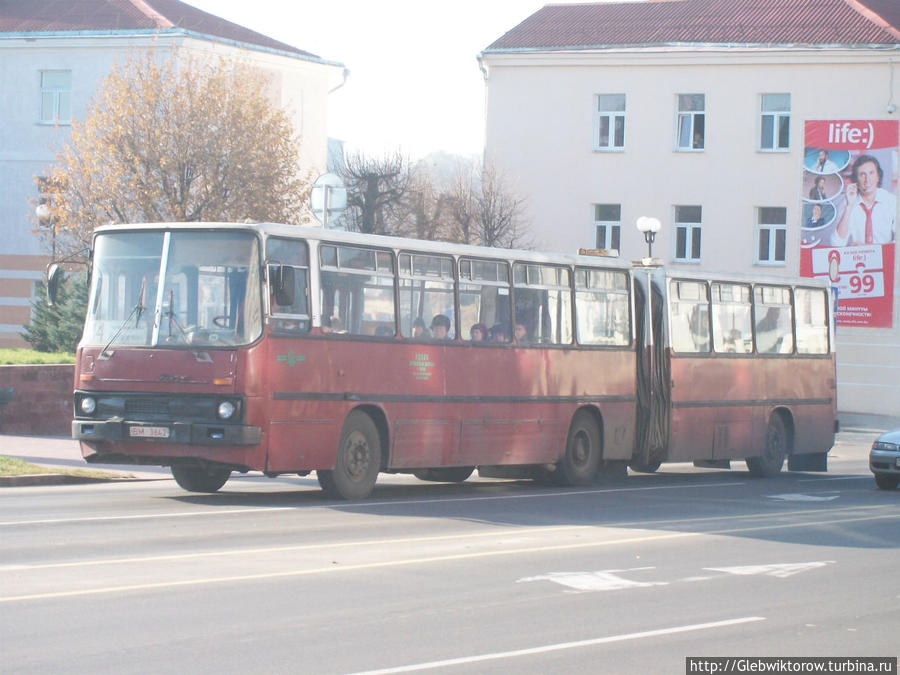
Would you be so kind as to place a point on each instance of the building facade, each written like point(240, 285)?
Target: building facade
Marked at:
point(695, 112)
point(52, 58)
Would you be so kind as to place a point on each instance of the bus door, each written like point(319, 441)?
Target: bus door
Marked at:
point(653, 379)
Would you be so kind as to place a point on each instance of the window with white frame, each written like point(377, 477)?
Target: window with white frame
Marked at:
point(691, 121)
point(608, 225)
point(687, 233)
point(56, 96)
point(775, 122)
point(772, 234)
point(609, 122)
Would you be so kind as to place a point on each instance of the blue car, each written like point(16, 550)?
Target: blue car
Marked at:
point(884, 460)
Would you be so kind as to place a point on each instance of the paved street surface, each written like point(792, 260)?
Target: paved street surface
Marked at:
point(487, 576)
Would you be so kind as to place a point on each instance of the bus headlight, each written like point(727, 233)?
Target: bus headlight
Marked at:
point(88, 405)
point(226, 410)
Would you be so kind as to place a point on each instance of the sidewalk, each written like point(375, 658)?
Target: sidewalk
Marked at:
point(63, 453)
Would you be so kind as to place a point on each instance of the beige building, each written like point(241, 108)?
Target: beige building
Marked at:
point(693, 111)
point(52, 57)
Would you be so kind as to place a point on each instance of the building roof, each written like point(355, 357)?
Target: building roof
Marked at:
point(172, 16)
point(729, 22)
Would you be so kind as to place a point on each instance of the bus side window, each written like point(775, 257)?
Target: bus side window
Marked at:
point(812, 321)
point(543, 304)
point(602, 302)
point(732, 331)
point(426, 291)
point(774, 321)
point(484, 296)
point(689, 320)
point(281, 254)
point(357, 291)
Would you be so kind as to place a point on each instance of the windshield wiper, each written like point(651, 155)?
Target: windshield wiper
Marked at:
point(136, 312)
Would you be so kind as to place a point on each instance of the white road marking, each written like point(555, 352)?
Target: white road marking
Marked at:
point(601, 580)
point(564, 645)
point(798, 497)
point(782, 571)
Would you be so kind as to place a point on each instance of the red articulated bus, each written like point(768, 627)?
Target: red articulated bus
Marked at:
point(214, 348)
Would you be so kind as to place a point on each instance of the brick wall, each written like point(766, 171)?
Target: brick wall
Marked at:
point(42, 400)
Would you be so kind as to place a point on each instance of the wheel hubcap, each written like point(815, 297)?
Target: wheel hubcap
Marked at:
point(581, 449)
point(357, 454)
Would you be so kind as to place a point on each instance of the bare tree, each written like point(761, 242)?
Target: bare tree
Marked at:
point(177, 140)
point(376, 190)
point(486, 211)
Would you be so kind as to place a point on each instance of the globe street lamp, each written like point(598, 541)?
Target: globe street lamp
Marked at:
point(45, 217)
point(649, 226)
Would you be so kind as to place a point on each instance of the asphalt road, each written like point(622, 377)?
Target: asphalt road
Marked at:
point(268, 576)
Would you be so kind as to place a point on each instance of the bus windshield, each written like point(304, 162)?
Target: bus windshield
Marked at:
point(210, 295)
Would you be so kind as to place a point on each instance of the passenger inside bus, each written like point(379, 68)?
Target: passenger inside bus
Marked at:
point(499, 333)
point(440, 327)
point(419, 332)
point(478, 332)
point(520, 333)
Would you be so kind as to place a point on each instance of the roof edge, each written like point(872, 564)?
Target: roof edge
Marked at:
point(157, 18)
point(886, 46)
point(168, 32)
point(874, 17)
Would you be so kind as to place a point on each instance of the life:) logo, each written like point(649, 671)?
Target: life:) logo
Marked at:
point(847, 134)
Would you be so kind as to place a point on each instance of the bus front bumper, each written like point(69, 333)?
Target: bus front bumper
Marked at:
point(186, 433)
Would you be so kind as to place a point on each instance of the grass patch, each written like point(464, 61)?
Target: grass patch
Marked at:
point(10, 466)
point(17, 357)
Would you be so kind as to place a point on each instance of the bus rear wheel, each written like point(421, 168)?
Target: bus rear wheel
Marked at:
point(643, 467)
point(199, 479)
point(578, 465)
point(358, 460)
point(449, 474)
point(771, 460)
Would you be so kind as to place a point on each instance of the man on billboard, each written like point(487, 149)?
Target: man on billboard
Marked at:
point(869, 217)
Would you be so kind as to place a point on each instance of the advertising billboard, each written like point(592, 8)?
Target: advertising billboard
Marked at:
point(849, 214)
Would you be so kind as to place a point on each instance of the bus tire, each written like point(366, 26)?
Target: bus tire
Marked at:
point(358, 460)
point(578, 465)
point(771, 460)
point(449, 474)
point(200, 479)
point(641, 467)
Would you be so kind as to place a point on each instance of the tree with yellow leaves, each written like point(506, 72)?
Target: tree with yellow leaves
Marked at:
point(176, 140)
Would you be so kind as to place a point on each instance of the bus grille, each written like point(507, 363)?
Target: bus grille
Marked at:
point(146, 406)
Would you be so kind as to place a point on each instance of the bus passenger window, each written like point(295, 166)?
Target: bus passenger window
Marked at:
point(426, 291)
point(602, 307)
point(812, 321)
point(484, 297)
point(689, 320)
point(292, 253)
point(357, 291)
point(732, 331)
point(543, 304)
point(774, 320)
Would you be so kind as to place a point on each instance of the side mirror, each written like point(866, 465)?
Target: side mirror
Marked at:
point(55, 277)
point(283, 284)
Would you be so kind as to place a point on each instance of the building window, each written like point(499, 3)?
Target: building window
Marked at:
point(56, 96)
point(687, 234)
point(775, 122)
point(691, 121)
point(609, 122)
point(608, 224)
point(772, 229)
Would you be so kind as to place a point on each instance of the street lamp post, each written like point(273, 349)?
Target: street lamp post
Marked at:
point(45, 217)
point(649, 226)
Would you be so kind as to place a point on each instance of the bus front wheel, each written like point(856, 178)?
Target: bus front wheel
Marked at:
point(199, 479)
point(358, 460)
point(578, 465)
point(771, 460)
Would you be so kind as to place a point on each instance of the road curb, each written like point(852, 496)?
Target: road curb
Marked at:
point(65, 479)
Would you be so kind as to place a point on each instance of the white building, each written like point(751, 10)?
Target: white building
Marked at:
point(54, 54)
point(693, 111)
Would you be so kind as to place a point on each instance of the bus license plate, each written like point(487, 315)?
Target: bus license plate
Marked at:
point(148, 432)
